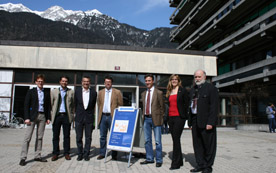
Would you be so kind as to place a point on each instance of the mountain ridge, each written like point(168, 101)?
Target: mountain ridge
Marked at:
point(70, 25)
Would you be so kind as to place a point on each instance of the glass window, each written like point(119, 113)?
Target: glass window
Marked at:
point(162, 80)
point(187, 81)
point(54, 76)
point(118, 78)
point(141, 80)
point(23, 76)
point(89, 74)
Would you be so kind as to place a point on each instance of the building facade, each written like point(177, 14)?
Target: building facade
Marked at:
point(21, 61)
point(242, 34)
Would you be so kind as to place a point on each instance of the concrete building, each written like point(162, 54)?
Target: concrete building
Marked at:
point(21, 61)
point(242, 34)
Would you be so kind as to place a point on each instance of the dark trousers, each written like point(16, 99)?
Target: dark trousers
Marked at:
point(271, 124)
point(205, 145)
point(61, 120)
point(176, 125)
point(87, 128)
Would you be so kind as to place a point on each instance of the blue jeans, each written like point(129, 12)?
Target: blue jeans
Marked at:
point(104, 128)
point(271, 124)
point(148, 127)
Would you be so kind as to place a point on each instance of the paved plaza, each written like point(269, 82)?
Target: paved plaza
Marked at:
point(237, 152)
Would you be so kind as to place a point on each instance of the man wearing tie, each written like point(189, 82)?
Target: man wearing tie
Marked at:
point(85, 100)
point(62, 100)
point(153, 112)
point(109, 98)
point(203, 119)
point(36, 113)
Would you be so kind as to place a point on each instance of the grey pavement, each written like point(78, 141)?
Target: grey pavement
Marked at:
point(237, 152)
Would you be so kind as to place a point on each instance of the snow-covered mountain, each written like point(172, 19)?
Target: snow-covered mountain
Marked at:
point(100, 24)
point(55, 13)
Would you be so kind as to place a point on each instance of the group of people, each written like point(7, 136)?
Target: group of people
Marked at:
point(61, 106)
point(199, 106)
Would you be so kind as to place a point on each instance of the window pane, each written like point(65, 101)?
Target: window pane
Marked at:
point(118, 78)
point(162, 80)
point(187, 81)
point(141, 80)
point(23, 76)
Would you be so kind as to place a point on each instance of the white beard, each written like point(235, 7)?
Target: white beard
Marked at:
point(200, 82)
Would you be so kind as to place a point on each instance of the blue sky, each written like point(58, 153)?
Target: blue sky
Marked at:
point(143, 14)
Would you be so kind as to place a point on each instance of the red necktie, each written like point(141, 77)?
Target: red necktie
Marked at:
point(194, 103)
point(148, 103)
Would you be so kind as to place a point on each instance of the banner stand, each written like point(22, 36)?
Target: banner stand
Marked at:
point(122, 131)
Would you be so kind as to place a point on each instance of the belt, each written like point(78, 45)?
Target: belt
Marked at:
point(149, 116)
point(41, 112)
point(106, 114)
point(62, 113)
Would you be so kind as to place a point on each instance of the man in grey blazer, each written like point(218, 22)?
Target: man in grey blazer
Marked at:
point(62, 101)
point(153, 113)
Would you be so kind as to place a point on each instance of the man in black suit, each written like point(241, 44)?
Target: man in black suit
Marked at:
point(203, 119)
point(36, 113)
point(85, 100)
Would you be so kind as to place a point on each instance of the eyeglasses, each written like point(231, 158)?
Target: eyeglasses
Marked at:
point(174, 79)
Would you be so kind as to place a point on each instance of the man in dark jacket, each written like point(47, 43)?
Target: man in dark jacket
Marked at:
point(85, 100)
point(203, 119)
point(36, 113)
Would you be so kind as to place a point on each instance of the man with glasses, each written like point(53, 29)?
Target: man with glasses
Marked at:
point(36, 113)
point(85, 100)
point(109, 98)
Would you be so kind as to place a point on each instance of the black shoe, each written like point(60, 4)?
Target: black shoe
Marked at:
point(79, 158)
point(158, 165)
point(196, 170)
point(40, 160)
point(207, 170)
point(22, 162)
point(100, 157)
point(173, 168)
point(86, 158)
point(146, 162)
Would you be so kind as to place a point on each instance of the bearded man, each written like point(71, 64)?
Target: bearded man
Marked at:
point(203, 120)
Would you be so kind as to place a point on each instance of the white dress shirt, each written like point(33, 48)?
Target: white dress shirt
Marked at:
point(85, 97)
point(107, 101)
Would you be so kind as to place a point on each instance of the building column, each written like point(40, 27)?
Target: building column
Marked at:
point(223, 111)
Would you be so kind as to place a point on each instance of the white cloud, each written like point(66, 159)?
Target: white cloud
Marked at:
point(149, 4)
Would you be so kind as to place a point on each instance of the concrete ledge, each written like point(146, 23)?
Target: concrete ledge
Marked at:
point(253, 127)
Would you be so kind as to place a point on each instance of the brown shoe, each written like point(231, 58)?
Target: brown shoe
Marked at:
point(100, 157)
point(54, 158)
point(67, 157)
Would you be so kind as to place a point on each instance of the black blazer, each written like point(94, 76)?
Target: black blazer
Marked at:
point(182, 102)
point(207, 105)
point(85, 115)
point(31, 104)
